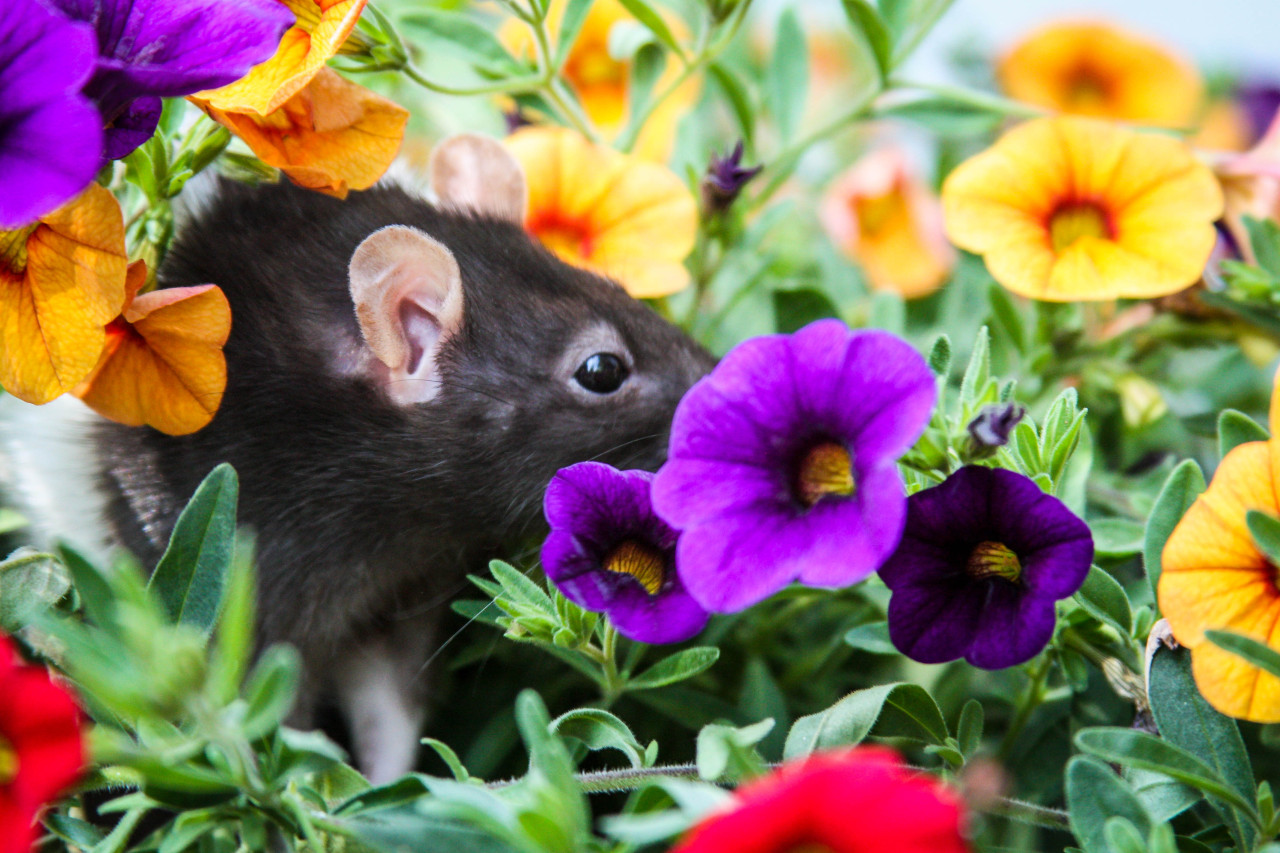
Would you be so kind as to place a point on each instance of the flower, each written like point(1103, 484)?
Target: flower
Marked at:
point(1251, 186)
point(1260, 100)
point(860, 800)
point(983, 558)
point(1224, 126)
point(609, 212)
point(609, 552)
point(725, 178)
point(321, 28)
point(880, 215)
point(61, 281)
point(52, 141)
point(332, 136)
point(42, 748)
point(1067, 209)
point(162, 364)
point(1213, 576)
point(1097, 69)
point(993, 426)
point(152, 49)
point(783, 462)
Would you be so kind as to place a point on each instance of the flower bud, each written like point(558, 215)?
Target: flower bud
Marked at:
point(725, 179)
point(991, 429)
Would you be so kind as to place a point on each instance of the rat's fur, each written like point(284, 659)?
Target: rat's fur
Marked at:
point(368, 512)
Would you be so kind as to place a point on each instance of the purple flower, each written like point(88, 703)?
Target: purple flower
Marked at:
point(725, 179)
point(984, 557)
point(608, 552)
point(1260, 100)
point(783, 462)
point(50, 134)
point(991, 428)
point(150, 49)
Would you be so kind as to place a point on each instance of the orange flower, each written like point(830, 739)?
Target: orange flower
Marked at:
point(163, 364)
point(881, 216)
point(61, 281)
point(1067, 209)
point(322, 27)
point(1251, 185)
point(1225, 126)
point(332, 136)
point(615, 214)
point(1214, 577)
point(1097, 69)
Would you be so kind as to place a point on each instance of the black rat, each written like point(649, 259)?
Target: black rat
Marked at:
point(403, 380)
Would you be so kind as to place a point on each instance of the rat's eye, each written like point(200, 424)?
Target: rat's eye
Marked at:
point(602, 373)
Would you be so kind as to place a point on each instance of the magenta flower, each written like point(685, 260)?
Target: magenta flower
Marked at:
point(984, 557)
point(608, 552)
point(50, 134)
point(783, 462)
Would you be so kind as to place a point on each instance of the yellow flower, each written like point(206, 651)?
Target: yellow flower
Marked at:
point(61, 282)
point(615, 214)
point(602, 83)
point(881, 216)
point(332, 136)
point(321, 28)
point(1224, 126)
point(1214, 577)
point(1066, 209)
point(1097, 69)
point(163, 364)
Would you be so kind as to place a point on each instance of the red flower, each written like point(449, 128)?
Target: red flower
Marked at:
point(41, 746)
point(861, 800)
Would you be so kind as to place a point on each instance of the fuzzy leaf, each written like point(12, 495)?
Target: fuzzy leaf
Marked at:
point(1236, 428)
point(677, 667)
point(1184, 485)
point(1104, 599)
point(1094, 795)
point(849, 721)
point(599, 729)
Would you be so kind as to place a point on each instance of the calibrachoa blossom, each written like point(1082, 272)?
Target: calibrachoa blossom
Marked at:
point(861, 800)
point(1067, 209)
point(983, 559)
point(1097, 69)
point(51, 146)
point(783, 462)
point(881, 216)
point(609, 212)
point(41, 747)
point(608, 552)
point(1251, 185)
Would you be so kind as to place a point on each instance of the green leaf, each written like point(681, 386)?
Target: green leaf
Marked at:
point(96, 597)
point(1236, 428)
point(794, 309)
point(912, 713)
point(969, 729)
point(1264, 239)
point(517, 586)
point(192, 574)
point(599, 729)
point(979, 369)
point(1257, 653)
point(947, 118)
point(270, 691)
point(1007, 316)
point(677, 667)
point(1123, 837)
point(727, 751)
point(575, 13)
point(739, 99)
point(940, 356)
point(867, 21)
point(788, 76)
point(11, 520)
point(449, 757)
point(1185, 483)
point(1117, 538)
point(1103, 598)
point(30, 583)
point(462, 36)
point(647, 15)
point(233, 641)
point(872, 637)
point(1265, 530)
point(1095, 794)
point(1162, 797)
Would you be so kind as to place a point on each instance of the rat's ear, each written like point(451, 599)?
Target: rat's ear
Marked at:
point(408, 298)
point(474, 172)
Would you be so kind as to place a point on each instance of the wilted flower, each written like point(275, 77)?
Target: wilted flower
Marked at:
point(608, 552)
point(881, 216)
point(783, 462)
point(725, 178)
point(609, 212)
point(1100, 70)
point(1067, 209)
point(860, 800)
point(992, 427)
point(984, 558)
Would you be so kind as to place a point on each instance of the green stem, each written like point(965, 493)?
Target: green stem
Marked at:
point(613, 682)
point(1031, 699)
point(974, 98)
point(517, 86)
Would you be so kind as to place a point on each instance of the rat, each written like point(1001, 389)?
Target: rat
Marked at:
point(403, 379)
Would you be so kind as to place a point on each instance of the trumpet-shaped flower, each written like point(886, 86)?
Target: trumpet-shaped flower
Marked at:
point(783, 462)
point(321, 28)
point(1251, 185)
point(881, 216)
point(61, 281)
point(331, 136)
point(615, 214)
point(1066, 209)
point(1097, 69)
point(1214, 577)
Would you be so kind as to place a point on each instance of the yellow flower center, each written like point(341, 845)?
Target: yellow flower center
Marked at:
point(13, 248)
point(1087, 92)
point(876, 213)
point(993, 560)
point(1070, 222)
point(8, 763)
point(643, 562)
point(825, 470)
point(593, 66)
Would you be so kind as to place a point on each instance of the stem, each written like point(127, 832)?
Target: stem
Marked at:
point(519, 85)
point(613, 683)
point(1025, 812)
point(1031, 699)
point(974, 98)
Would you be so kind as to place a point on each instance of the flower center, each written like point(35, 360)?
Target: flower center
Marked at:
point(878, 212)
point(1070, 222)
point(993, 560)
point(572, 241)
point(1087, 91)
point(643, 562)
point(825, 470)
point(810, 847)
point(13, 249)
point(8, 762)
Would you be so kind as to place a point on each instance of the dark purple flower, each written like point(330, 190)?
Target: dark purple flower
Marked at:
point(984, 557)
point(725, 179)
point(50, 134)
point(608, 552)
point(991, 428)
point(783, 462)
point(164, 49)
point(1260, 100)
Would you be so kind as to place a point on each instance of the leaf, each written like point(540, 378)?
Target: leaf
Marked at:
point(739, 99)
point(11, 520)
point(599, 729)
point(1162, 797)
point(192, 574)
point(1104, 599)
point(519, 588)
point(96, 597)
point(1117, 538)
point(969, 729)
point(940, 356)
point(1265, 530)
point(1257, 653)
point(850, 720)
point(948, 118)
point(788, 76)
point(794, 309)
point(1095, 794)
point(647, 15)
point(30, 583)
point(1123, 837)
point(1264, 239)
point(270, 691)
point(677, 667)
point(459, 34)
point(867, 21)
point(979, 369)
point(1180, 490)
point(575, 14)
point(449, 757)
point(1236, 428)
point(872, 637)
point(1004, 313)
point(726, 751)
